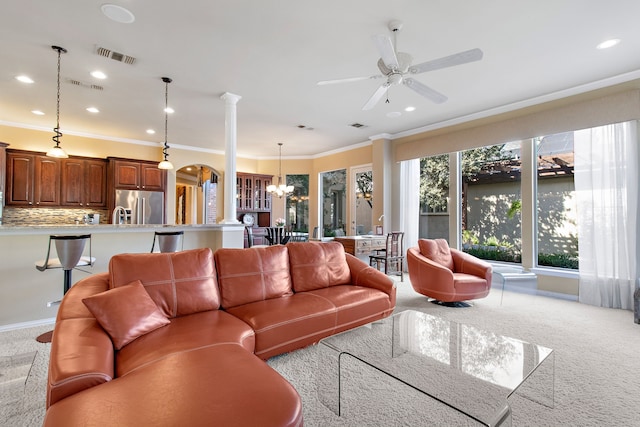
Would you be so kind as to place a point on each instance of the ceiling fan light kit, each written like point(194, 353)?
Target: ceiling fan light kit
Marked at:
point(395, 66)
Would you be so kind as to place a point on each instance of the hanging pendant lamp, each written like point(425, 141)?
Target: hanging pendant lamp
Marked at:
point(165, 164)
point(57, 151)
point(281, 189)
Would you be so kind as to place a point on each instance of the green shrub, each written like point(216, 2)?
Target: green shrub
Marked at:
point(499, 255)
point(491, 241)
point(470, 237)
point(558, 260)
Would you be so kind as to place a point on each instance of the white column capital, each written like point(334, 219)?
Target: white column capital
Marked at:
point(230, 98)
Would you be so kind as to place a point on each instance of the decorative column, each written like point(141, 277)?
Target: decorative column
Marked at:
point(231, 136)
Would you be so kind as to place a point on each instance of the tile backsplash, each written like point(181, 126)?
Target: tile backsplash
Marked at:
point(47, 216)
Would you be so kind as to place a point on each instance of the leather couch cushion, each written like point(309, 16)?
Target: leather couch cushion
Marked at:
point(316, 265)
point(288, 323)
point(185, 333)
point(250, 275)
point(126, 313)
point(222, 385)
point(355, 305)
point(437, 250)
point(180, 283)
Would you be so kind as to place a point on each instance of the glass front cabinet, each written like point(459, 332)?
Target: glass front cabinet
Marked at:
point(253, 200)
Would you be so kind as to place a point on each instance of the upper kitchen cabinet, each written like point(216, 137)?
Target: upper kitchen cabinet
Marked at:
point(84, 183)
point(3, 168)
point(137, 175)
point(32, 179)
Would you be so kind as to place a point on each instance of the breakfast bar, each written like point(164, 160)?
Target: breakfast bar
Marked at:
point(25, 291)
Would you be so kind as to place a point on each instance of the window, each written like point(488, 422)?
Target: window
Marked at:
point(557, 230)
point(434, 197)
point(491, 202)
point(333, 202)
point(362, 215)
point(297, 207)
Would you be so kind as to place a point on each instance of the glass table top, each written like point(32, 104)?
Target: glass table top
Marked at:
point(471, 370)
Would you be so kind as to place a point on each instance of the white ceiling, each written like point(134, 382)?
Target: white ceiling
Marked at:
point(273, 53)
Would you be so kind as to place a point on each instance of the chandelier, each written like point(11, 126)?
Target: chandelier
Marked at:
point(56, 150)
point(165, 164)
point(281, 189)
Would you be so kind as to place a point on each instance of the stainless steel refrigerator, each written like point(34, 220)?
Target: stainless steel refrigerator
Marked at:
point(140, 207)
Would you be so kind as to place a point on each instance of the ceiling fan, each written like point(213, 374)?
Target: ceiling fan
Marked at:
point(396, 67)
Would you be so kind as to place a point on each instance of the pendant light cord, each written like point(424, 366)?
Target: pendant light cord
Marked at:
point(166, 81)
point(56, 130)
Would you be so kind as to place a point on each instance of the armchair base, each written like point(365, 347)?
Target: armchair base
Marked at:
point(456, 304)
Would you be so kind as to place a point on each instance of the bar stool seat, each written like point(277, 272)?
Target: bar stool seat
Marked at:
point(168, 241)
point(69, 249)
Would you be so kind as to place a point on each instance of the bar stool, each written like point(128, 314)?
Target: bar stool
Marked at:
point(168, 241)
point(69, 250)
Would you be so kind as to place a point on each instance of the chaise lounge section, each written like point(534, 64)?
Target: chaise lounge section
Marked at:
point(181, 338)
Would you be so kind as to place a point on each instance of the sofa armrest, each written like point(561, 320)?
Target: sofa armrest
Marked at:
point(82, 357)
point(468, 264)
point(72, 306)
point(364, 275)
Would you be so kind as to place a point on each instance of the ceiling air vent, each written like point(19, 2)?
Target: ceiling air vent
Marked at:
point(116, 56)
point(357, 125)
point(83, 84)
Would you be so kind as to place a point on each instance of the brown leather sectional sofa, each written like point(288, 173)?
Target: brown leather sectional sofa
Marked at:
point(172, 339)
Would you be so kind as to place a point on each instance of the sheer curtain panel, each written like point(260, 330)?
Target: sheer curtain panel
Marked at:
point(606, 182)
point(410, 201)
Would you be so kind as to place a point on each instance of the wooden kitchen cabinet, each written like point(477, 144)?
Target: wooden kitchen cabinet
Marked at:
point(3, 170)
point(84, 183)
point(32, 179)
point(138, 175)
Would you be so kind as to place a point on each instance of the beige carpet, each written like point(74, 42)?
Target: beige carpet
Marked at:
point(597, 368)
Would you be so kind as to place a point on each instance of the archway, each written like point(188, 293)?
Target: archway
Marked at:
point(196, 195)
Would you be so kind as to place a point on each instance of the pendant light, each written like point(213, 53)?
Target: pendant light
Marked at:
point(165, 164)
point(281, 189)
point(57, 151)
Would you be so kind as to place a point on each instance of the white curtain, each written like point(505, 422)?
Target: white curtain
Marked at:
point(410, 201)
point(606, 182)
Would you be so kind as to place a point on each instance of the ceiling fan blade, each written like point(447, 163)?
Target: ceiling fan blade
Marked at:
point(348, 80)
point(447, 61)
point(385, 48)
point(425, 91)
point(376, 96)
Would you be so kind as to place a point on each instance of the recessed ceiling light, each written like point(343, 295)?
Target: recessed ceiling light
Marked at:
point(410, 109)
point(117, 13)
point(24, 79)
point(151, 131)
point(608, 43)
point(169, 110)
point(99, 74)
point(37, 112)
point(394, 114)
point(93, 110)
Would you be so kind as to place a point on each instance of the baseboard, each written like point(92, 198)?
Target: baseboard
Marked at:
point(30, 324)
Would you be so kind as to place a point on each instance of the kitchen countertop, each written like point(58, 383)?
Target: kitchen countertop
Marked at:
point(105, 228)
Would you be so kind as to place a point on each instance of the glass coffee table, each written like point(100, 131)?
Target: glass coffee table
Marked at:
point(470, 370)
